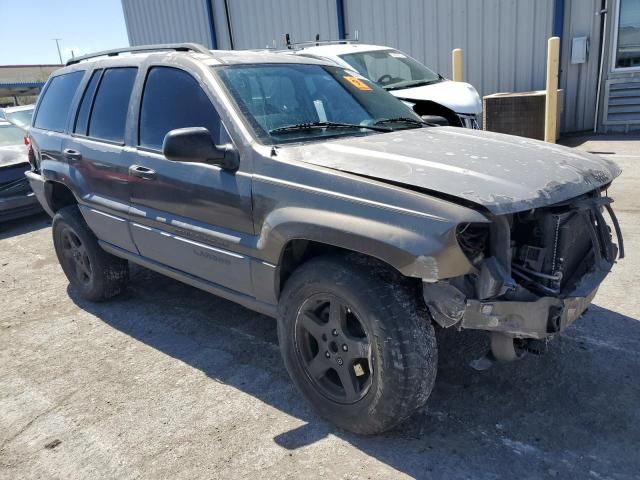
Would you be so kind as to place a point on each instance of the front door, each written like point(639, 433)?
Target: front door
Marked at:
point(192, 217)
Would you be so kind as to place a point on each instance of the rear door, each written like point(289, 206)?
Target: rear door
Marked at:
point(190, 216)
point(52, 116)
point(95, 149)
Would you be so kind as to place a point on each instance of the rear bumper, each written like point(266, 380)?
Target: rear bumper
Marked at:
point(37, 184)
point(18, 206)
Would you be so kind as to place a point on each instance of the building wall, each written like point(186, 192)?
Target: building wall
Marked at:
point(260, 24)
point(580, 81)
point(26, 73)
point(503, 41)
point(167, 21)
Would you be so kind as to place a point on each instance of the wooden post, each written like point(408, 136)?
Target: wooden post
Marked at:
point(456, 65)
point(551, 102)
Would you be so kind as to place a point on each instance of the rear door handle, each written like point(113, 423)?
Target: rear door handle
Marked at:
point(141, 172)
point(72, 154)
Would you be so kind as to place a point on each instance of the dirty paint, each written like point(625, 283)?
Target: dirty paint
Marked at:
point(502, 173)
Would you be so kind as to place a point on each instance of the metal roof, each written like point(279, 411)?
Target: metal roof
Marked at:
point(8, 89)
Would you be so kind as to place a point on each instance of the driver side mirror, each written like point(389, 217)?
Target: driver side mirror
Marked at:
point(194, 144)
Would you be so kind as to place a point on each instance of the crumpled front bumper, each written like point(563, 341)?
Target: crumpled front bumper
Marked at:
point(538, 319)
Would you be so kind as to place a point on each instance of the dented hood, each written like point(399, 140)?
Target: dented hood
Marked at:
point(503, 173)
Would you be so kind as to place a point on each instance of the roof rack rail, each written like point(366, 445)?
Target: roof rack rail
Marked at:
point(313, 43)
point(178, 47)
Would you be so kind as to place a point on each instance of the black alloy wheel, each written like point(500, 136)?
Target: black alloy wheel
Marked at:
point(75, 256)
point(334, 348)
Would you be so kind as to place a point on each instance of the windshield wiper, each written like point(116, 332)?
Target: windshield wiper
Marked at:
point(412, 83)
point(401, 119)
point(313, 125)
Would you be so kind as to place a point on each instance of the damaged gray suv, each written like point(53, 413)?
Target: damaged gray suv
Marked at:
point(306, 192)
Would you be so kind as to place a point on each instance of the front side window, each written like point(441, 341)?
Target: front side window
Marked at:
point(56, 101)
point(299, 102)
point(391, 69)
point(173, 99)
point(628, 44)
point(109, 113)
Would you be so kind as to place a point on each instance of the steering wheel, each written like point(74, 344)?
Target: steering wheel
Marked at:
point(386, 78)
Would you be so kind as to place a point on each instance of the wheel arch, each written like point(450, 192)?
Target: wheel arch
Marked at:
point(58, 195)
point(292, 235)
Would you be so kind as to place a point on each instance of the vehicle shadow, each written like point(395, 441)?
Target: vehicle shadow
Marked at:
point(23, 225)
point(565, 414)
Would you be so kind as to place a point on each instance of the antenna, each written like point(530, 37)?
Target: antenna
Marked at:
point(317, 39)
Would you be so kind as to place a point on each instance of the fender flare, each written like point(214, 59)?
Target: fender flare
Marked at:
point(403, 245)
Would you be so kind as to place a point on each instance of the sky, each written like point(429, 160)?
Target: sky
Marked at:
point(28, 27)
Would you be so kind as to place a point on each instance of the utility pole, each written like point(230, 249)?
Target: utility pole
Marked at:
point(58, 45)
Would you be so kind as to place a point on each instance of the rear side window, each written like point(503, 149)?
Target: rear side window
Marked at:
point(173, 99)
point(56, 102)
point(82, 120)
point(109, 113)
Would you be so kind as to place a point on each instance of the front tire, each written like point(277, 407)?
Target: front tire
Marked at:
point(95, 274)
point(357, 344)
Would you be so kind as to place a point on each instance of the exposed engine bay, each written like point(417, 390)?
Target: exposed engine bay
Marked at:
point(535, 272)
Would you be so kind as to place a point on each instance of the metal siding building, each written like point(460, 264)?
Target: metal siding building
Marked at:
point(496, 36)
point(504, 41)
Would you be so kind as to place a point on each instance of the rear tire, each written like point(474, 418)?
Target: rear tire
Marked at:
point(356, 343)
point(95, 274)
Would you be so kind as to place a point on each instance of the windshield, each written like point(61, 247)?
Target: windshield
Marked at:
point(391, 69)
point(22, 118)
point(11, 135)
point(299, 102)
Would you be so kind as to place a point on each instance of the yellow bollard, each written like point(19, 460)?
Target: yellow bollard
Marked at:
point(551, 102)
point(456, 65)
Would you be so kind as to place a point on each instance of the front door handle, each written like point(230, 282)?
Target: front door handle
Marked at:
point(72, 154)
point(142, 172)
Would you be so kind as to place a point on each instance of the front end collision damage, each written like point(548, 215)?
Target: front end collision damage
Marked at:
point(535, 272)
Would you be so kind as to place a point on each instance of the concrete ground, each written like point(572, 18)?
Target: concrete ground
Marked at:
point(170, 382)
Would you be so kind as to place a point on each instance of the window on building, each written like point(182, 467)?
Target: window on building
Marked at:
point(173, 99)
point(109, 114)
point(56, 102)
point(628, 41)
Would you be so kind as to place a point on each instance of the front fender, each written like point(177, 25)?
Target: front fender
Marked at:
point(416, 247)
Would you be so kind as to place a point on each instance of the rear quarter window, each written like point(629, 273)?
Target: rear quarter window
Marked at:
point(54, 107)
point(82, 119)
point(109, 113)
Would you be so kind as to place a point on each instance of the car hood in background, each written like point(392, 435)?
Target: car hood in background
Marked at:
point(503, 173)
point(13, 155)
point(458, 96)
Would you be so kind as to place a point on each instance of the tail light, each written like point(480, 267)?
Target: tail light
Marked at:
point(31, 154)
